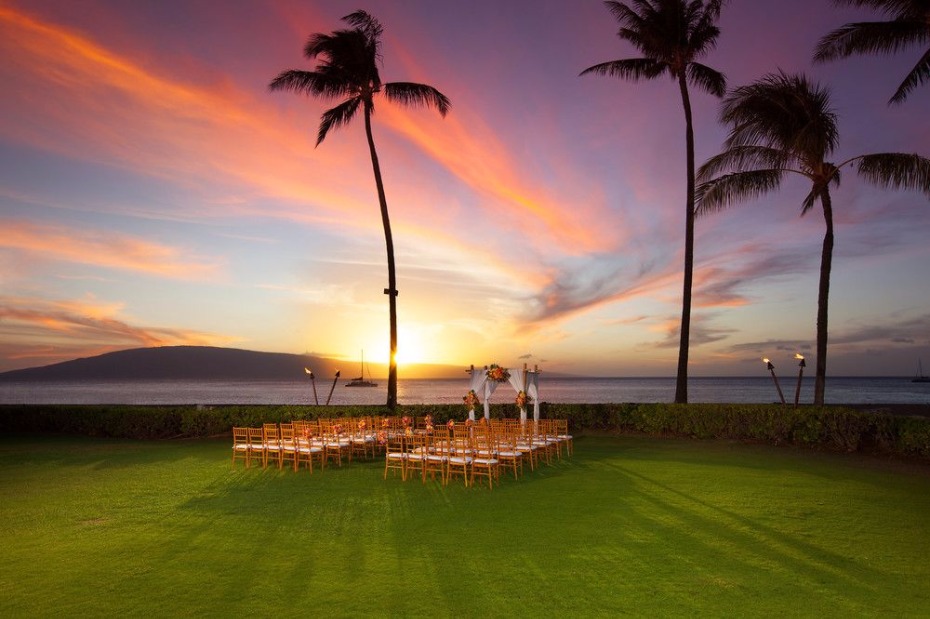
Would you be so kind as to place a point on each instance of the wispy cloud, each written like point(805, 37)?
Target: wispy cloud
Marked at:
point(105, 249)
point(40, 331)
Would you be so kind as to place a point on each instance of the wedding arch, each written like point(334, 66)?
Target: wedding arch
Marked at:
point(485, 381)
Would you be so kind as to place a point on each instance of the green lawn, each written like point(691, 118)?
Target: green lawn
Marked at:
point(629, 526)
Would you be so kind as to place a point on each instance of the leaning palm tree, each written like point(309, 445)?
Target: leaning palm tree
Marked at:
point(908, 24)
point(671, 35)
point(348, 68)
point(784, 124)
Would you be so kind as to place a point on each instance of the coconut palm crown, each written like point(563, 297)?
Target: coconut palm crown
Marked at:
point(347, 68)
point(908, 25)
point(784, 124)
point(672, 35)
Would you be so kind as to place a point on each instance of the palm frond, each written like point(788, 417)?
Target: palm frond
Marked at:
point(871, 38)
point(896, 171)
point(894, 9)
point(417, 95)
point(722, 192)
point(629, 68)
point(782, 111)
point(336, 117)
point(918, 75)
point(310, 83)
point(743, 159)
point(707, 79)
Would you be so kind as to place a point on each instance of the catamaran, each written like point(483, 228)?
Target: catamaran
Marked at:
point(360, 381)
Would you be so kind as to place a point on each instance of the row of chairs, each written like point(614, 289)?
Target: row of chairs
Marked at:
point(476, 450)
point(461, 449)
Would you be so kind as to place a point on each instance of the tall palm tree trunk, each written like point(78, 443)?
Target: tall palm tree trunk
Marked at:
point(681, 383)
point(823, 295)
point(391, 290)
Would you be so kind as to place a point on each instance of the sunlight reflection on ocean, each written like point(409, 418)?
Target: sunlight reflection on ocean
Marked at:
point(855, 390)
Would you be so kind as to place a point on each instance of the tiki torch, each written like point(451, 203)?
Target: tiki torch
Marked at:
point(801, 365)
point(771, 368)
point(316, 400)
point(331, 389)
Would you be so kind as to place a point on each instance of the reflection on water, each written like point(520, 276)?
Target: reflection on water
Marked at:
point(564, 390)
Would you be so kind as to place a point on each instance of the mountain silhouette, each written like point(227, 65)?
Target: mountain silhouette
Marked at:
point(209, 363)
point(180, 362)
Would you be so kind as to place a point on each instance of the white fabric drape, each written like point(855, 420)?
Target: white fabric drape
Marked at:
point(489, 387)
point(516, 381)
point(476, 384)
point(480, 384)
point(532, 390)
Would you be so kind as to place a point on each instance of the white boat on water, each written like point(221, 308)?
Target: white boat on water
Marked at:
point(361, 381)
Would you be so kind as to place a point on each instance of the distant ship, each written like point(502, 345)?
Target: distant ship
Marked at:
point(920, 377)
point(360, 381)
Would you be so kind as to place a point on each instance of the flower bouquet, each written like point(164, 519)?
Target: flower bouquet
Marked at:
point(498, 374)
point(405, 421)
point(471, 399)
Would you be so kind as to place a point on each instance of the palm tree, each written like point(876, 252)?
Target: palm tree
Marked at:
point(909, 24)
point(348, 68)
point(784, 124)
point(671, 35)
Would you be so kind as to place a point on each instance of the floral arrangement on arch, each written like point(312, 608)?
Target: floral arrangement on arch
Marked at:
point(471, 399)
point(522, 399)
point(497, 373)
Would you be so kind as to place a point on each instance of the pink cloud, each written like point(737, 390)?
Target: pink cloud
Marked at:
point(104, 249)
point(39, 331)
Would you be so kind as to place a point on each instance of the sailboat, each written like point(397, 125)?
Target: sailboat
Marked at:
point(360, 381)
point(920, 377)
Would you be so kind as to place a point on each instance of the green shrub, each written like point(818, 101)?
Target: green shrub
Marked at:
point(834, 428)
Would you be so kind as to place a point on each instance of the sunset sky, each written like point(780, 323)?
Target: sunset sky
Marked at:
point(154, 192)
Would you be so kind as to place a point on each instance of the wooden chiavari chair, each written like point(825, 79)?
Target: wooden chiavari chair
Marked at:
point(395, 455)
point(257, 447)
point(288, 445)
point(271, 443)
point(240, 447)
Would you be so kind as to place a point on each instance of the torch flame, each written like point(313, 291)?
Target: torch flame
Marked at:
point(765, 359)
point(799, 356)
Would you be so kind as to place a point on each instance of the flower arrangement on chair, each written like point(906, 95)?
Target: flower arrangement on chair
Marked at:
point(362, 425)
point(337, 429)
point(522, 400)
point(385, 423)
point(405, 421)
point(429, 423)
point(469, 423)
point(408, 431)
point(450, 424)
point(471, 399)
point(382, 437)
point(498, 374)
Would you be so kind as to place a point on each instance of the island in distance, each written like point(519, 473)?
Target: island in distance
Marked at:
point(209, 363)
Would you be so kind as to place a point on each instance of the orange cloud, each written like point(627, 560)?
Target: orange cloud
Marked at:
point(39, 331)
point(105, 249)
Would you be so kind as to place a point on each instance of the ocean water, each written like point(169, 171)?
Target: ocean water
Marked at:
point(841, 390)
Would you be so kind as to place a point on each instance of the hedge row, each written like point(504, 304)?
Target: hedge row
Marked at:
point(834, 428)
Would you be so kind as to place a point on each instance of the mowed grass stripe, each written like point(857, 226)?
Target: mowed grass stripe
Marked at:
point(628, 526)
